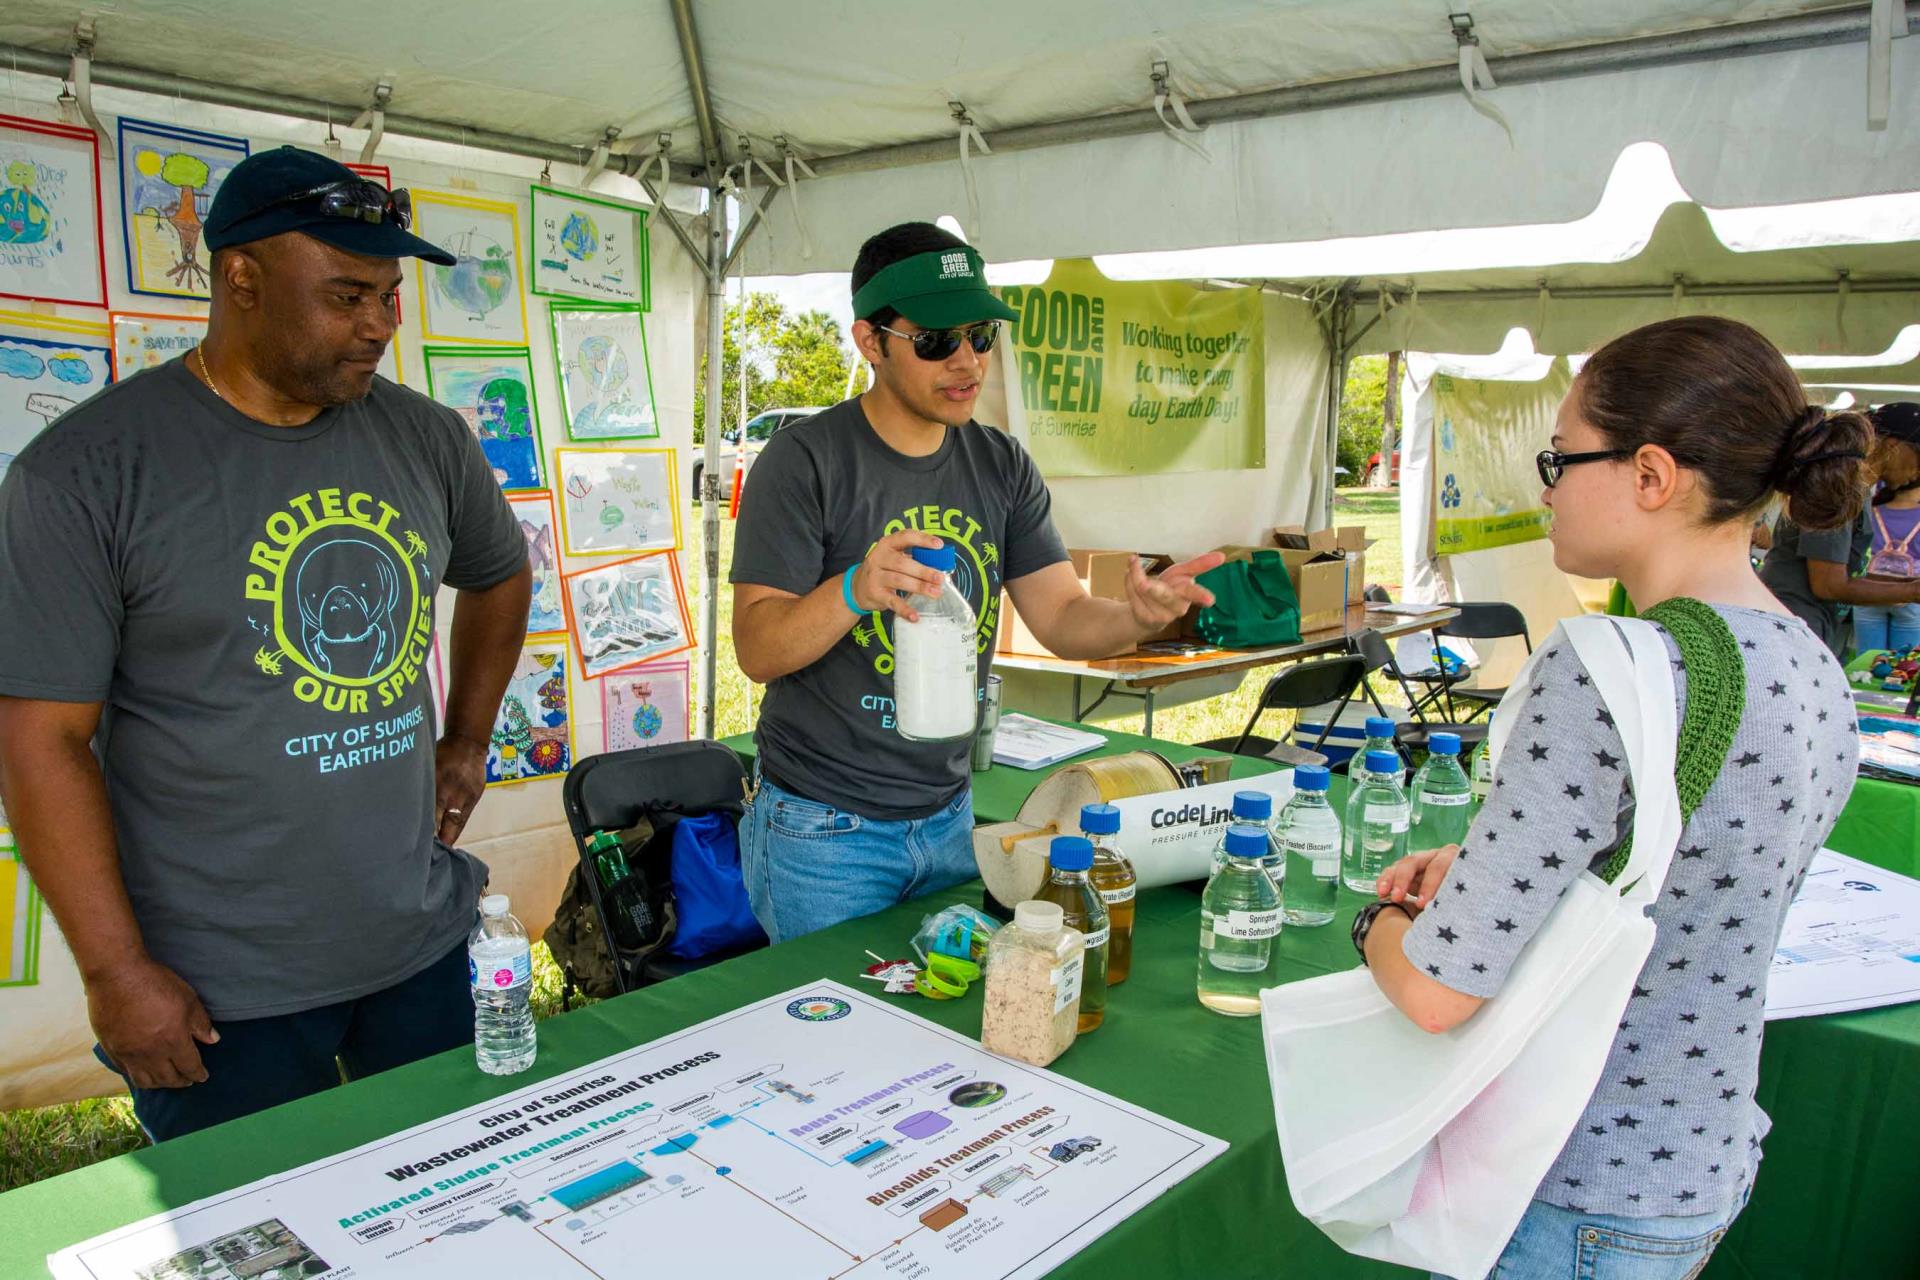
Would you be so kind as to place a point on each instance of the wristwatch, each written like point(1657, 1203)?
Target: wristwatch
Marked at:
point(1363, 922)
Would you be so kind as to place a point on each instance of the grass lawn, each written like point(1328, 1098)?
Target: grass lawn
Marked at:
point(39, 1143)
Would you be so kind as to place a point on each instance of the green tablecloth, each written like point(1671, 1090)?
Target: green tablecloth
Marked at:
point(1835, 1197)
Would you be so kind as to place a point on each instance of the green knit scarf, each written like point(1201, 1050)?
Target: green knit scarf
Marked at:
point(1716, 701)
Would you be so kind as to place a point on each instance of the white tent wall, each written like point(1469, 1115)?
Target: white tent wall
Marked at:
point(1760, 129)
point(519, 830)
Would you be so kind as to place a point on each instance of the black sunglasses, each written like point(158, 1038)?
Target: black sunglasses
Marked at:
point(938, 344)
point(361, 199)
point(1553, 465)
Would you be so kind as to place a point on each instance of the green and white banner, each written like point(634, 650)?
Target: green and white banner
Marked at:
point(1119, 378)
point(1486, 491)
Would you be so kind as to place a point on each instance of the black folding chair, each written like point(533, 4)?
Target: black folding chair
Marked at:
point(1376, 655)
point(1483, 621)
point(1306, 684)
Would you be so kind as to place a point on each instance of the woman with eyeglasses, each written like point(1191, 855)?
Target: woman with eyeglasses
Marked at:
point(1669, 442)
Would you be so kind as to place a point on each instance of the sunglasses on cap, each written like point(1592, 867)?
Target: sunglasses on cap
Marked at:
point(1552, 464)
point(360, 199)
point(938, 344)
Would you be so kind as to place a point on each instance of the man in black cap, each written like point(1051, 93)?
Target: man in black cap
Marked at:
point(217, 585)
point(851, 817)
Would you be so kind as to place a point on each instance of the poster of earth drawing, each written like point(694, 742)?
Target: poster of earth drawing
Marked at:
point(533, 734)
point(492, 391)
point(50, 213)
point(648, 706)
point(479, 298)
point(168, 178)
point(606, 383)
point(587, 248)
point(618, 500)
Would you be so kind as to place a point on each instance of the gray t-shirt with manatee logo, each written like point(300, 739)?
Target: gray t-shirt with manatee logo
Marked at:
point(819, 496)
point(254, 606)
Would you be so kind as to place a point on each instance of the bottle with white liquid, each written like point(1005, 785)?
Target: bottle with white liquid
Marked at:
point(935, 696)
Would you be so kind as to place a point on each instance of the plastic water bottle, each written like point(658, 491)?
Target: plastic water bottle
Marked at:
point(1380, 737)
point(1442, 808)
point(1377, 821)
point(1483, 767)
point(1252, 808)
point(1310, 839)
point(935, 695)
point(1239, 919)
point(500, 968)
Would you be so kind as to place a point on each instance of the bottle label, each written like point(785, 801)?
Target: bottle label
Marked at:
point(1324, 855)
point(501, 972)
point(1099, 937)
point(1066, 983)
point(1112, 896)
point(1444, 800)
point(1394, 816)
point(1247, 926)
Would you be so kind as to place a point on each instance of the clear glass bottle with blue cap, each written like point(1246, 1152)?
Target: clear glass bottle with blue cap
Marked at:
point(1310, 841)
point(1442, 802)
point(1112, 878)
point(1377, 822)
point(1239, 919)
point(1254, 808)
point(1380, 737)
point(1483, 766)
point(1070, 858)
point(936, 696)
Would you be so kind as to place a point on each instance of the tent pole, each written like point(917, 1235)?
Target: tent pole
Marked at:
point(1339, 320)
point(710, 478)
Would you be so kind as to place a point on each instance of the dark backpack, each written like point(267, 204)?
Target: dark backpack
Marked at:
point(579, 941)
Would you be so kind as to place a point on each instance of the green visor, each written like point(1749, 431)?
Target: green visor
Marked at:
point(937, 290)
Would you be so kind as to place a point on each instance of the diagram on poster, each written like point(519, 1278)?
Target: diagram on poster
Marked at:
point(606, 385)
point(168, 178)
point(614, 500)
point(819, 1133)
point(50, 213)
point(648, 706)
point(42, 378)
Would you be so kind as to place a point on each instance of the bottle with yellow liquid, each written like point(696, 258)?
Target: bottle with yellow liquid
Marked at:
point(1112, 877)
point(1071, 858)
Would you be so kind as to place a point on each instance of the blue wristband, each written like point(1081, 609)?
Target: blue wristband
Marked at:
point(846, 589)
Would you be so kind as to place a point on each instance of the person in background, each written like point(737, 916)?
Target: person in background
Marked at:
point(849, 817)
point(1895, 515)
point(1817, 572)
point(1671, 438)
point(217, 749)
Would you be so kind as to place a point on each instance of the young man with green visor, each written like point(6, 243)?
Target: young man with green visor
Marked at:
point(850, 817)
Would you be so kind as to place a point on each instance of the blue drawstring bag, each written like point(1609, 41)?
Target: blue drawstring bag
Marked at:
point(710, 898)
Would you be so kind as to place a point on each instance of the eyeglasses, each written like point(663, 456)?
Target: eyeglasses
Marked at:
point(1553, 464)
point(361, 199)
point(938, 344)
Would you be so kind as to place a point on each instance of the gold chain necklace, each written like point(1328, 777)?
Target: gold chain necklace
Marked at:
point(208, 377)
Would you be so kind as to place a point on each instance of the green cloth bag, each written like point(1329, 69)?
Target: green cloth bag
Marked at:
point(1253, 604)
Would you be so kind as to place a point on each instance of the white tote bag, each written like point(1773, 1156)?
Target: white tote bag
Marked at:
point(1425, 1150)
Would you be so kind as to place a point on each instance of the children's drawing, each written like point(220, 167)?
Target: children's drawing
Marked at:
point(42, 379)
point(50, 213)
point(614, 500)
point(606, 383)
point(587, 248)
point(19, 917)
point(533, 734)
point(493, 391)
point(168, 178)
point(478, 298)
point(534, 512)
point(648, 706)
point(146, 341)
point(626, 613)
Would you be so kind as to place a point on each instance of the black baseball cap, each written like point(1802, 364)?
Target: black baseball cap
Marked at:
point(255, 201)
point(1898, 420)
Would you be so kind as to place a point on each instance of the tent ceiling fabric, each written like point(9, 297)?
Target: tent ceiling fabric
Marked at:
point(1453, 313)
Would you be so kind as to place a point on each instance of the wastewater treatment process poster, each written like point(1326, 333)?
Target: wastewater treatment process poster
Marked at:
point(819, 1133)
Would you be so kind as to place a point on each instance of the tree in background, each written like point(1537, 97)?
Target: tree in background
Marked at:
point(1361, 416)
point(789, 361)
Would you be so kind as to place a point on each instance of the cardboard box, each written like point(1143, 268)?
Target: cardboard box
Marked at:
point(1103, 574)
point(1319, 584)
point(1348, 540)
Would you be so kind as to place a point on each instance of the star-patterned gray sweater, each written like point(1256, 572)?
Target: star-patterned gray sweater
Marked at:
point(1673, 1128)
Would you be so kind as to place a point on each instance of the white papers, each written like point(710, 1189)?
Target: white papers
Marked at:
point(819, 1132)
point(1851, 941)
point(1026, 743)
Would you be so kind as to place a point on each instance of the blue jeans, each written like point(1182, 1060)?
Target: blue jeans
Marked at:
point(262, 1062)
point(809, 865)
point(1552, 1243)
point(1877, 626)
